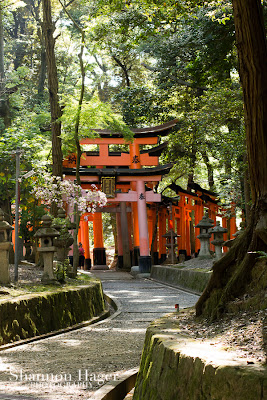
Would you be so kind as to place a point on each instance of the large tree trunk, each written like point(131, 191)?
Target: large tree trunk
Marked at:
point(247, 191)
point(209, 169)
point(34, 8)
point(48, 30)
point(252, 52)
point(232, 273)
point(42, 73)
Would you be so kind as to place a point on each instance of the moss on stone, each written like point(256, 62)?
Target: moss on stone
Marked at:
point(45, 312)
point(194, 279)
point(168, 371)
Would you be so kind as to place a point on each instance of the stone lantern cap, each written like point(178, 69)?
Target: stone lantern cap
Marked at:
point(170, 234)
point(5, 227)
point(61, 213)
point(46, 230)
point(218, 232)
point(218, 229)
point(205, 223)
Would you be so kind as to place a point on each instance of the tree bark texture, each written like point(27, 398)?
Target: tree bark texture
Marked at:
point(125, 70)
point(209, 169)
point(42, 73)
point(252, 53)
point(233, 272)
point(247, 192)
point(154, 237)
point(48, 30)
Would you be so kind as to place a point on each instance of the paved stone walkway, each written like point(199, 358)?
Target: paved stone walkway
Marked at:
point(72, 366)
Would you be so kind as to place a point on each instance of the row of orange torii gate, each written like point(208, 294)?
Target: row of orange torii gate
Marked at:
point(129, 176)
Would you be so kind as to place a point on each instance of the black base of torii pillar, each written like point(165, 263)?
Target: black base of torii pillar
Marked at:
point(144, 264)
point(99, 256)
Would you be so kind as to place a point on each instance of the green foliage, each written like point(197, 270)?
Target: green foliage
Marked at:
point(30, 217)
point(141, 106)
point(149, 61)
point(107, 229)
point(94, 114)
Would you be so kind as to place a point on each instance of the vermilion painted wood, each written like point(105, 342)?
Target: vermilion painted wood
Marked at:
point(98, 230)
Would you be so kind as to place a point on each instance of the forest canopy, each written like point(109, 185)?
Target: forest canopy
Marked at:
point(136, 63)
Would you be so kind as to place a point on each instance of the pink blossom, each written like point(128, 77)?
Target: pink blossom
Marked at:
point(51, 189)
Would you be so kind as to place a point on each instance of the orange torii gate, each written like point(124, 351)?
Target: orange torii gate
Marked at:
point(126, 177)
point(189, 209)
point(129, 178)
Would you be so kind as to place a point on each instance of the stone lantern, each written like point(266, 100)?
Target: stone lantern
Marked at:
point(218, 240)
point(171, 246)
point(65, 240)
point(47, 249)
point(5, 246)
point(204, 225)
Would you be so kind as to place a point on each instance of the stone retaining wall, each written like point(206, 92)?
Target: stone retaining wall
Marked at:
point(178, 367)
point(191, 279)
point(37, 314)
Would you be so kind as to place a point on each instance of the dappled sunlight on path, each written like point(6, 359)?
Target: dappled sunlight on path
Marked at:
point(72, 366)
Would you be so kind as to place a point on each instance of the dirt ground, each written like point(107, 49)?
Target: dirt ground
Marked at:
point(244, 333)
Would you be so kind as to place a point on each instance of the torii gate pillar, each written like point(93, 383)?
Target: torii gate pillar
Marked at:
point(135, 163)
point(125, 237)
point(145, 258)
point(99, 251)
point(85, 241)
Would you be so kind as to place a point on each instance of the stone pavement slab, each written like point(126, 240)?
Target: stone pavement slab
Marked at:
point(73, 365)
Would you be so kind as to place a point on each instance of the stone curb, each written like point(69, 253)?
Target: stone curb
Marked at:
point(117, 389)
point(174, 365)
point(100, 318)
point(191, 279)
point(174, 286)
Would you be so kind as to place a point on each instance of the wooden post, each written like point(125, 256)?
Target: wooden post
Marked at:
point(125, 237)
point(86, 245)
point(162, 231)
point(119, 241)
point(225, 235)
point(233, 227)
point(98, 230)
point(99, 251)
point(198, 218)
point(155, 246)
point(182, 224)
point(144, 259)
point(80, 233)
point(150, 225)
point(130, 231)
point(187, 232)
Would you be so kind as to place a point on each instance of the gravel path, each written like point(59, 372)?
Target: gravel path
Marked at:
point(72, 366)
